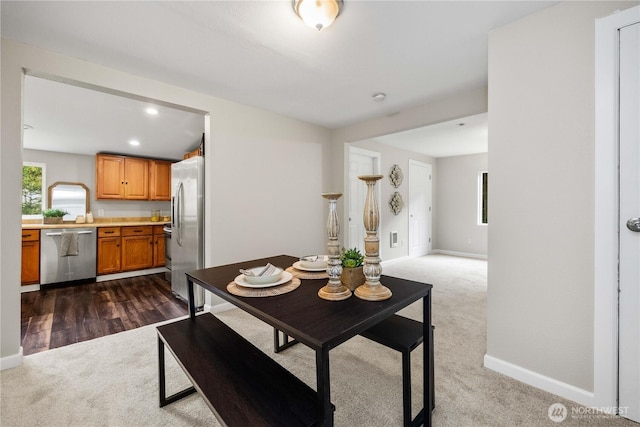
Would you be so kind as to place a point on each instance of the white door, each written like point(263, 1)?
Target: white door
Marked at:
point(629, 296)
point(419, 208)
point(361, 162)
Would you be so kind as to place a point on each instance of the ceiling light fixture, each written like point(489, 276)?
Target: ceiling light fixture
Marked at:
point(379, 97)
point(151, 111)
point(317, 14)
point(134, 142)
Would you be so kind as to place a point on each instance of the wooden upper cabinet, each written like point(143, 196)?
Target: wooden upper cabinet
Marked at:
point(136, 178)
point(109, 177)
point(132, 178)
point(159, 180)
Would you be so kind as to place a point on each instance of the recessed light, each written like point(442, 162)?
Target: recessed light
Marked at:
point(151, 111)
point(379, 97)
point(134, 142)
point(461, 124)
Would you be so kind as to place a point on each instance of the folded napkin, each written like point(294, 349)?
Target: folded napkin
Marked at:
point(268, 270)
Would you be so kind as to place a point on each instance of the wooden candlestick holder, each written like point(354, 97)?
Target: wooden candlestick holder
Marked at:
point(372, 289)
point(334, 290)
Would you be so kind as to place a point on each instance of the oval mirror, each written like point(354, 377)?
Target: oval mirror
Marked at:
point(72, 197)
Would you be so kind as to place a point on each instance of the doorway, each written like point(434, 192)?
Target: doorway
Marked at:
point(360, 162)
point(617, 198)
point(420, 211)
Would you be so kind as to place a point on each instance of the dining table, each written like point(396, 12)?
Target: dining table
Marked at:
point(318, 323)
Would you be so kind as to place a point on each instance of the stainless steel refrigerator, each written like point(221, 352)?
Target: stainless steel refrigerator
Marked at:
point(187, 225)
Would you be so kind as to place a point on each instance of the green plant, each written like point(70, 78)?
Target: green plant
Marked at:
point(351, 258)
point(53, 213)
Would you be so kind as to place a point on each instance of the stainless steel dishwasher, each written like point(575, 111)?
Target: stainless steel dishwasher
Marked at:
point(67, 254)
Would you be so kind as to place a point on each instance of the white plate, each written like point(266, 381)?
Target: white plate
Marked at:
point(286, 276)
point(298, 266)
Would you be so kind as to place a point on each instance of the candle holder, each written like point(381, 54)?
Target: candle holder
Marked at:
point(334, 290)
point(372, 290)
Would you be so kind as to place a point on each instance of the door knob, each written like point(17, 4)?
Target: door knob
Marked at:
point(634, 224)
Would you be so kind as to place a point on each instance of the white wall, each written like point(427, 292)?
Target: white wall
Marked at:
point(264, 173)
point(390, 156)
point(81, 168)
point(456, 205)
point(465, 104)
point(540, 308)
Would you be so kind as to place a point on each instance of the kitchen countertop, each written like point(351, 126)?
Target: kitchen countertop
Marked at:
point(115, 222)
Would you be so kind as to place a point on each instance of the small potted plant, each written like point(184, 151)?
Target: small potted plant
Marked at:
point(352, 275)
point(53, 216)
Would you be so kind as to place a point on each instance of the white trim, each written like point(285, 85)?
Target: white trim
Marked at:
point(127, 274)
point(12, 361)
point(395, 260)
point(605, 342)
point(542, 382)
point(219, 308)
point(460, 254)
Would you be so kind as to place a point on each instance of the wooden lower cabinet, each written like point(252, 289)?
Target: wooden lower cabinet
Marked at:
point(158, 246)
point(109, 250)
point(30, 273)
point(130, 248)
point(137, 248)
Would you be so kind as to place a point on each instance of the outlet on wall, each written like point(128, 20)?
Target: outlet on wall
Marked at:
point(100, 212)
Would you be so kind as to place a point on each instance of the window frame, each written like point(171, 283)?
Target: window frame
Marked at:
point(42, 166)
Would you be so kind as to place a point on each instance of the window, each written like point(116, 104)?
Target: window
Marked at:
point(33, 196)
point(483, 191)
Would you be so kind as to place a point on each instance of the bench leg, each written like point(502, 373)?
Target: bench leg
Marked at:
point(164, 400)
point(277, 347)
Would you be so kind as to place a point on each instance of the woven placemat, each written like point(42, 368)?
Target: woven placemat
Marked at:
point(309, 275)
point(241, 291)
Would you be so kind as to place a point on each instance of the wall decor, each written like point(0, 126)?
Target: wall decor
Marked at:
point(396, 176)
point(396, 203)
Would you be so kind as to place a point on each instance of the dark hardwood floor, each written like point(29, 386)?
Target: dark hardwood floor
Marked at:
point(61, 316)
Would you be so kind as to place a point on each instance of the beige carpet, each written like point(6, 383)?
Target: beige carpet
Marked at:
point(113, 381)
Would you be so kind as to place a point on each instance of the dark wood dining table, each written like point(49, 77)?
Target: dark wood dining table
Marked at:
point(319, 324)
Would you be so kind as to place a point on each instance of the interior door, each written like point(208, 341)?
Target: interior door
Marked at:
point(361, 162)
point(419, 208)
point(629, 266)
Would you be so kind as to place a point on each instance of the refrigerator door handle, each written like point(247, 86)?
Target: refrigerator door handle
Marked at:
point(179, 212)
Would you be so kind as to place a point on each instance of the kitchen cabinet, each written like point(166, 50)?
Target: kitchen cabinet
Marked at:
point(109, 250)
point(30, 273)
point(130, 248)
point(122, 177)
point(159, 180)
point(158, 246)
point(137, 248)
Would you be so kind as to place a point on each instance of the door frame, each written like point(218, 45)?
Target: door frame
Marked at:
point(429, 213)
point(348, 149)
point(606, 221)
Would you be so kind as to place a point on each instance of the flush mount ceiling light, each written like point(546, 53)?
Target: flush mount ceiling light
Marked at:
point(317, 14)
point(152, 111)
point(134, 142)
point(379, 97)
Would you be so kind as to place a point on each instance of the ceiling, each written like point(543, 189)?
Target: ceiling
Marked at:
point(259, 53)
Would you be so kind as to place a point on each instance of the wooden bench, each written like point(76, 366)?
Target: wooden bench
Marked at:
point(404, 335)
point(241, 385)
point(398, 333)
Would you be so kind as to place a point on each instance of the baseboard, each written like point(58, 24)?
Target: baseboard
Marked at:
point(128, 274)
point(537, 380)
point(460, 254)
point(394, 260)
point(12, 361)
point(219, 308)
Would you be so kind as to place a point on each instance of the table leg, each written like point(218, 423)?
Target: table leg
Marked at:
point(192, 300)
point(323, 386)
point(427, 359)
